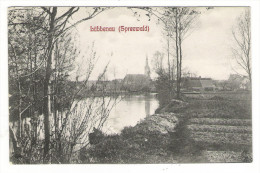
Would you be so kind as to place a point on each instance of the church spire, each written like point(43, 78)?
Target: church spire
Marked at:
point(147, 68)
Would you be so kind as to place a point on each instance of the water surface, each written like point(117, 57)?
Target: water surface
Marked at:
point(129, 111)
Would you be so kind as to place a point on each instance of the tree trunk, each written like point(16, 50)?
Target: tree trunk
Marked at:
point(47, 87)
point(20, 123)
point(177, 54)
point(169, 65)
point(180, 53)
point(14, 140)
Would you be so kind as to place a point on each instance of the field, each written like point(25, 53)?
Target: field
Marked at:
point(221, 124)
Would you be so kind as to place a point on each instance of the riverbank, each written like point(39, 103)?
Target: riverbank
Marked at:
point(115, 94)
point(197, 130)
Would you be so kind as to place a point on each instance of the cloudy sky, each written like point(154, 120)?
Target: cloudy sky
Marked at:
point(206, 51)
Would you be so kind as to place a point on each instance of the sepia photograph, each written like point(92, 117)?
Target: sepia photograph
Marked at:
point(129, 84)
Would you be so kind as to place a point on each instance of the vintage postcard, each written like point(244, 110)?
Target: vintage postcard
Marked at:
point(129, 85)
point(164, 85)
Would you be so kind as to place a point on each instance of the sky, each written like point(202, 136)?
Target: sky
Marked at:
point(206, 52)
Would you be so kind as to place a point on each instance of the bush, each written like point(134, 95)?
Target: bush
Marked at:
point(96, 136)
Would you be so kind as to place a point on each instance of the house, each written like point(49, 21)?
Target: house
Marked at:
point(207, 84)
point(136, 82)
point(198, 84)
point(245, 84)
point(238, 82)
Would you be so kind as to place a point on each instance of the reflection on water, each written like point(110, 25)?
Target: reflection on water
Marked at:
point(129, 111)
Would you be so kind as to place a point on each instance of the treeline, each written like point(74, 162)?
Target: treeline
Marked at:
point(177, 23)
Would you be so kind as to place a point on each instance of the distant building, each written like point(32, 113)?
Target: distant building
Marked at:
point(245, 84)
point(130, 83)
point(198, 84)
point(238, 82)
point(147, 71)
point(138, 82)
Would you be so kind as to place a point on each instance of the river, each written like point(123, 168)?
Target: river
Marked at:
point(129, 111)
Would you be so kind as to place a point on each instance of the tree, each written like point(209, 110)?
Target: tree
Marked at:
point(180, 20)
point(163, 83)
point(178, 23)
point(58, 25)
point(32, 55)
point(26, 43)
point(158, 62)
point(242, 42)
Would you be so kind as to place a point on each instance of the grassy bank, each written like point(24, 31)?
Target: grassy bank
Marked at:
point(201, 129)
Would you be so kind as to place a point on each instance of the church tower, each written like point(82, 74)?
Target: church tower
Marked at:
point(147, 68)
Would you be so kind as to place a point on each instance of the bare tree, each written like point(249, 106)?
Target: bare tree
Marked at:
point(58, 25)
point(26, 44)
point(242, 42)
point(180, 21)
point(27, 61)
point(158, 62)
